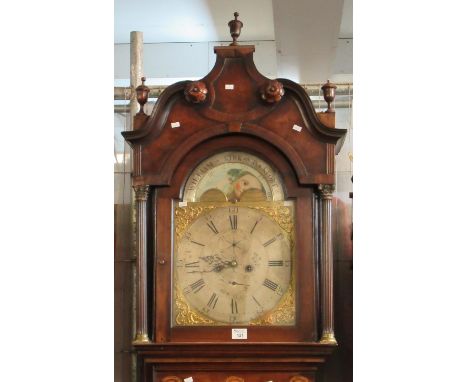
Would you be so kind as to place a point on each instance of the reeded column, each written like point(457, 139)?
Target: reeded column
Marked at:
point(141, 197)
point(326, 257)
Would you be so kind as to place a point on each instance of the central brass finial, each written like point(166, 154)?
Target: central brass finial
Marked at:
point(235, 26)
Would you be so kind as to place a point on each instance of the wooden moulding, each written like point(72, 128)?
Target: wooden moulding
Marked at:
point(234, 105)
point(139, 120)
point(328, 119)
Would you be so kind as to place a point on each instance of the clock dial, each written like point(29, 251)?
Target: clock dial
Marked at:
point(233, 176)
point(233, 264)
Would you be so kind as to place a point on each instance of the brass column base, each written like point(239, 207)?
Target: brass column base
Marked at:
point(328, 339)
point(141, 338)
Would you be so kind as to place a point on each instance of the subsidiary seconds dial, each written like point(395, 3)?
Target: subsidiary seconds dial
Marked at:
point(233, 265)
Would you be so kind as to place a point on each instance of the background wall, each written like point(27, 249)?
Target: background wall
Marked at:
point(164, 62)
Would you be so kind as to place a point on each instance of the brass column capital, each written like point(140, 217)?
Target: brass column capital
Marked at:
point(326, 191)
point(142, 192)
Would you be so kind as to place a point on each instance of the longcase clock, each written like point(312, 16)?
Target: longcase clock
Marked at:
point(234, 176)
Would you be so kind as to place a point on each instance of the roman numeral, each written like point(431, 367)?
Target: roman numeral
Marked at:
point(212, 301)
point(234, 306)
point(194, 264)
point(197, 285)
point(233, 221)
point(272, 240)
point(275, 263)
point(251, 231)
point(197, 243)
point(212, 227)
point(260, 305)
point(270, 284)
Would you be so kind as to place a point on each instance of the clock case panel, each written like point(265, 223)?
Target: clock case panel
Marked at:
point(163, 157)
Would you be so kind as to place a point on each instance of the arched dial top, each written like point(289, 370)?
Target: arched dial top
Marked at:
point(233, 265)
point(233, 176)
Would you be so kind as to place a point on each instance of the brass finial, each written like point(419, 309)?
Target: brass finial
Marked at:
point(235, 26)
point(142, 92)
point(329, 95)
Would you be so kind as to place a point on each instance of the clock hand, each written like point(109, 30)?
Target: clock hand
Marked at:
point(225, 264)
point(236, 283)
point(208, 259)
point(218, 267)
point(212, 258)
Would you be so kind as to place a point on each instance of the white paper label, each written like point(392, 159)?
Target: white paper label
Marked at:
point(189, 379)
point(182, 204)
point(239, 334)
point(175, 124)
point(229, 86)
point(297, 128)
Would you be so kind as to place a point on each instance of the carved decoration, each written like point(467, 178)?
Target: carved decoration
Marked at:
point(284, 313)
point(299, 378)
point(235, 27)
point(142, 92)
point(195, 92)
point(329, 95)
point(233, 378)
point(326, 191)
point(186, 315)
point(172, 378)
point(141, 192)
point(185, 216)
point(279, 213)
point(272, 91)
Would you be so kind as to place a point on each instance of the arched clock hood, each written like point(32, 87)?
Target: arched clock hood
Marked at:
point(234, 98)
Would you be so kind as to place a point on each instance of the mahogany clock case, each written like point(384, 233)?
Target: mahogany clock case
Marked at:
point(288, 134)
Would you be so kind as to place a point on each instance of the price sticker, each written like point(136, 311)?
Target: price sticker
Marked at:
point(175, 124)
point(297, 128)
point(188, 379)
point(239, 334)
point(229, 86)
